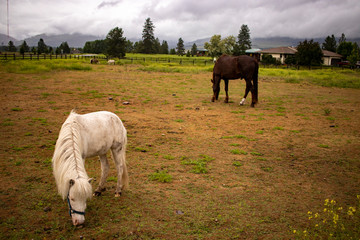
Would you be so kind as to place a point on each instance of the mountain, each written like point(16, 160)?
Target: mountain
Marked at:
point(4, 40)
point(74, 40)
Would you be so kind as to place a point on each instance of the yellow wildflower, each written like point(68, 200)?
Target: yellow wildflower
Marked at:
point(316, 215)
point(326, 202)
point(294, 231)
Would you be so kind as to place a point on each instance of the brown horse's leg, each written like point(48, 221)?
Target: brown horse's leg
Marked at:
point(226, 90)
point(248, 88)
point(216, 88)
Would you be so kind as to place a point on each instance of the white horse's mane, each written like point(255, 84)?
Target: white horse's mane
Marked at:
point(67, 160)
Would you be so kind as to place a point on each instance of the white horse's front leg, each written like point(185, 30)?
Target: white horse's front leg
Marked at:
point(104, 173)
point(242, 102)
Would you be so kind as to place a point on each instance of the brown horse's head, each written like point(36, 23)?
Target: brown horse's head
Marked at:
point(216, 88)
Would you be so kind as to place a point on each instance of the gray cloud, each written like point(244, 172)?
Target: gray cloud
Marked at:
point(188, 19)
point(108, 4)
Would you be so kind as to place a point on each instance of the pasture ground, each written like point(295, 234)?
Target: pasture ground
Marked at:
point(235, 172)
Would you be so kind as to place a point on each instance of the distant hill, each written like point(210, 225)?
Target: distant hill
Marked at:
point(78, 40)
point(74, 40)
point(4, 40)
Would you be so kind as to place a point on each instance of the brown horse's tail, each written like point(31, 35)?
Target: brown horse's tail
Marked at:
point(255, 80)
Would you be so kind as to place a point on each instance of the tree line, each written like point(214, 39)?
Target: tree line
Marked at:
point(115, 44)
point(40, 49)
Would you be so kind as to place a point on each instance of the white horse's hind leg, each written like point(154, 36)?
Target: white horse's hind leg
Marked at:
point(122, 174)
point(104, 173)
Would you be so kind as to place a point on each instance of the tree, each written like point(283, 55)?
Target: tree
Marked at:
point(309, 53)
point(148, 36)
point(138, 46)
point(229, 44)
point(342, 38)
point(164, 48)
point(194, 50)
point(64, 47)
point(355, 55)
point(180, 47)
point(42, 48)
point(244, 41)
point(172, 51)
point(97, 46)
point(129, 46)
point(345, 49)
point(24, 48)
point(330, 43)
point(157, 46)
point(215, 47)
point(11, 47)
point(115, 43)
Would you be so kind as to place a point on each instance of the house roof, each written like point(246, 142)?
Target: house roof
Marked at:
point(331, 54)
point(292, 50)
point(281, 50)
point(253, 50)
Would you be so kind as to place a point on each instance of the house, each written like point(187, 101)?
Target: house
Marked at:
point(254, 52)
point(202, 52)
point(281, 53)
point(331, 58)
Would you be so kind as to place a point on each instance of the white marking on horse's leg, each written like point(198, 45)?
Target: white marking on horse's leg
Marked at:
point(242, 101)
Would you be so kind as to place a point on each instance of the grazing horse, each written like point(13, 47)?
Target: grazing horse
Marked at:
point(94, 60)
point(83, 136)
point(111, 62)
point(229, 68)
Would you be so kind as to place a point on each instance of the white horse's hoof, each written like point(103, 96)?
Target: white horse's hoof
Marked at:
point(117, 194)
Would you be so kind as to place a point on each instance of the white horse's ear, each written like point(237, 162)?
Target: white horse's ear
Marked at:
point(90, 180)
point(72, 182)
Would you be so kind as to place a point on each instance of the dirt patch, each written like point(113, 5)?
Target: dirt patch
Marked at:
point(264, 167)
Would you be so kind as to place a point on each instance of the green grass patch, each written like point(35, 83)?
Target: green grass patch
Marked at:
point(161, 176)
point(199, 165)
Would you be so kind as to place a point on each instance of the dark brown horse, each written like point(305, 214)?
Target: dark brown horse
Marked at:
point(229, 68)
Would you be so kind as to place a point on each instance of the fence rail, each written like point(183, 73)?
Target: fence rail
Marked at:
point(33, 56)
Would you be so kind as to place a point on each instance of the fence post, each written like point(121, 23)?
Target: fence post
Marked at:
point(38, 57)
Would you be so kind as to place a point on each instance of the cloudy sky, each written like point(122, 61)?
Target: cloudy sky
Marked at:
point(188, 19)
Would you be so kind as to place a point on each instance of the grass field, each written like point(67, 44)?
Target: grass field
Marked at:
point(198, 170)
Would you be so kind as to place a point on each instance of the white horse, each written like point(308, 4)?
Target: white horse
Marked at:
point(83, 136)
point(111, 62)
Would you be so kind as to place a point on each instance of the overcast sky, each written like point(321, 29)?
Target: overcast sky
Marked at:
point(188, 19)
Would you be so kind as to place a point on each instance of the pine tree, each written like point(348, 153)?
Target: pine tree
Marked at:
point(148, 38)
point(11, 47)
point(243, 42)
point(42, 48)
point(24, 48)
point(342, 38)
point(355, 54)
point(180, 47)
point(164, 49)
point(194, 50)
point(64, 46)
point(115, 43)
point(329, 44)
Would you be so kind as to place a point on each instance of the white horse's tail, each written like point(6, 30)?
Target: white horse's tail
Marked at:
point(125, 176)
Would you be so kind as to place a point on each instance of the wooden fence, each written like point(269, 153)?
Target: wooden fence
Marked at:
point(33, 56)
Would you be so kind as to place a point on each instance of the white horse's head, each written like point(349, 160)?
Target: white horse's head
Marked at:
point(79, 191)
